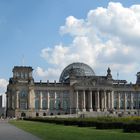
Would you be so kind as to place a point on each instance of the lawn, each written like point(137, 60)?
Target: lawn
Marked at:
point(48, 131)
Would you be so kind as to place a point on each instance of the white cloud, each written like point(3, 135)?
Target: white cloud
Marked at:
point(3, 85)
point(49, 74)
point(107, 37)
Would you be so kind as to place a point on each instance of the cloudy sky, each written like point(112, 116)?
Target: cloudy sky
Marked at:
point(50, 34)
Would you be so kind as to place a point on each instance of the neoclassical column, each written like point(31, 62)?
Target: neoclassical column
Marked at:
point(77, 101)
point(108, 100)
point(31, 99)
point(90, 101)
point(97, 101)
point(102, 100)
point(84, 101)
point(131, 100)
point(40, 100)
point(55, 100)
point(125, 101)
point(105, 101)
point(17, 99)
point(112, 100)
point(48, 100)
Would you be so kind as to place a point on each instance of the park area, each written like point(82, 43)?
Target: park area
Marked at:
point(49, 130)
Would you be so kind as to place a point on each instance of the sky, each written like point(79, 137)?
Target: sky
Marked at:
point(50, 34)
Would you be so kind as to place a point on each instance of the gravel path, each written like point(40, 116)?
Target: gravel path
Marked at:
point(10, 132)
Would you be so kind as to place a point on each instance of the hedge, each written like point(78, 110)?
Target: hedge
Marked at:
point(127, 124)
point(131, 127)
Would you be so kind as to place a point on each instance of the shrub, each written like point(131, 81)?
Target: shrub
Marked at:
point(109, 125)
point(131, 127)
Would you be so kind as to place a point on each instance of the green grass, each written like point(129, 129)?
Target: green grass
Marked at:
point(48, 131)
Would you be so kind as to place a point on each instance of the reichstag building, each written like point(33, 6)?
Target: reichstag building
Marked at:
point(79, 91)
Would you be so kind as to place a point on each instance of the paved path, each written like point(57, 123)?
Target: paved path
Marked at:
point(10, 132)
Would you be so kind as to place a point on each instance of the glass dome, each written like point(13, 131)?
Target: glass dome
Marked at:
point(77, 69)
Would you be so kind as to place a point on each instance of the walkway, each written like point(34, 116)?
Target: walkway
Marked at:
point(10, 132)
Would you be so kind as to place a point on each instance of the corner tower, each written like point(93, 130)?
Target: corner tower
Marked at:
point(22, 74)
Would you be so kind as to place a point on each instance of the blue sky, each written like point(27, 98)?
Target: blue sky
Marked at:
point(27, 27)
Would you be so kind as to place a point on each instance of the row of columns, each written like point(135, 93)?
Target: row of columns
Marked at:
point(103, 100)
point(125, 101)
point(31, 99)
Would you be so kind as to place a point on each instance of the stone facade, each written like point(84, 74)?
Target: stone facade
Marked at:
point(79, 91)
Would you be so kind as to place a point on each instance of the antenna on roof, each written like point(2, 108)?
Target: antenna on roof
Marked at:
point(117, 75)
point(23, 61)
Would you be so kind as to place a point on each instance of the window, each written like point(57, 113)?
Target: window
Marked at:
point(128, 104)
point(37, 114)
point(36, 103)
point(23, 104)
point(58, 95)
point(65, 94)
point(122, 104)
point(115, 104)
point(23, 114)
point(65, 104)
point(44, 114)
point(44, 104)
point(23, 94)
point(58, 104)
point(135, 104)
point(51, 104)
point(52, 94)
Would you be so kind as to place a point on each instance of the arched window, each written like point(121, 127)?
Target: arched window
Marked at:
point(23, 114)
point(44, 104)
point(44, 114)
point(37, 114)
point(36, 103)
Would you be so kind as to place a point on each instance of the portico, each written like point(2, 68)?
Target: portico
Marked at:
point(93, 100)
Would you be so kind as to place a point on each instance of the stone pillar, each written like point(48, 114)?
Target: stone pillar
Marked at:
point(125, 101)
point(17, 100)
point(48, 100)
point(108, 100)
point(102, 100)
point(105, 101)
point(112, 100)
point(55, 98)
point(97, 101)
point(13, 101)
point(90, 101)
point(77, 101)
point(84, 101)
point(31, 99)
point(40, 100)
point(131, 100)
point(118, 101)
